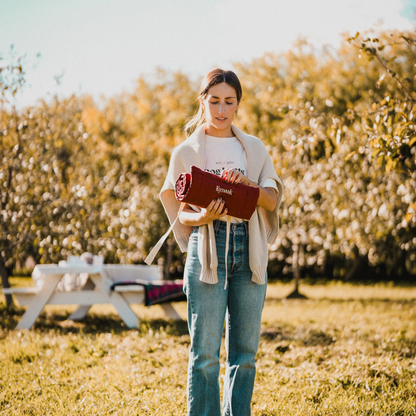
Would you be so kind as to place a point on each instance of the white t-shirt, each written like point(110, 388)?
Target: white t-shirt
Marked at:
point(226, 153)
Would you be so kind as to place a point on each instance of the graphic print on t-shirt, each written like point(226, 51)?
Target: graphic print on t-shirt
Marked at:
point(218, 172)
point(224, 153)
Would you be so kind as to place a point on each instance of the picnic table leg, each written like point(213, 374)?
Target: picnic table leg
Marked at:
point(123, 308)
point(170, 311)
point(82, 310)
point(80, 313)
point(39, 302)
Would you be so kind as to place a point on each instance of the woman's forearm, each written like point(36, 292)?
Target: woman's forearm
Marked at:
point(267, 197)
point(213, 211)
point(191, 218)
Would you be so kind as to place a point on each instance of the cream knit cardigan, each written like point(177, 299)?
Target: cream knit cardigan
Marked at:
point(263, 225)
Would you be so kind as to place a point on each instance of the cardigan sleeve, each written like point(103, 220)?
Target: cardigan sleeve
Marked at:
point(176, 167)
point(170, 203)
point(271, 218)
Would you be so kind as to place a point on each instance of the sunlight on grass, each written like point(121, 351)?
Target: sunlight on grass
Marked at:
point(347, 350)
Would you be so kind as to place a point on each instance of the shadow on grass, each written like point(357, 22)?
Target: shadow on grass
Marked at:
point(271, 299)
point(298, 336)
point(59, 323)
point(288, 337)
point(9, 317)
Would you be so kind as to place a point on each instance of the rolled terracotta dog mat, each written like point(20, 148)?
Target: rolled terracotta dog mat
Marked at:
point(200, 188)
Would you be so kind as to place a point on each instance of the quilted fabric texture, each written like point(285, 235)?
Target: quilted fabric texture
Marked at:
point(200, 188)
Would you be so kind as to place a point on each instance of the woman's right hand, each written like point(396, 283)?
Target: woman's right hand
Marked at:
point(214, 210)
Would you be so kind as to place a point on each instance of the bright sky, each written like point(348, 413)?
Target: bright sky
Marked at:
point(102, 46)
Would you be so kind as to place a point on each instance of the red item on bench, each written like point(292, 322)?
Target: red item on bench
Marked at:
point(157, 292)
point(200, 188)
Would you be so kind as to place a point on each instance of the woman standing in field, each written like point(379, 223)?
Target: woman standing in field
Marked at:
point(215, 291)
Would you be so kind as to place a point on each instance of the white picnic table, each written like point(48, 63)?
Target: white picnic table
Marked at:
point(95, 290)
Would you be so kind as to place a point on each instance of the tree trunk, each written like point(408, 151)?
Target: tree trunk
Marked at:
point(328, 267)
point(5, 282)
point(169, 258)
point(402, 264)
point(354, 269)
point(295, 294)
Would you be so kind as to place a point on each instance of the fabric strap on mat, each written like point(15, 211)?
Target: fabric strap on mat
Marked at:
point(149, 259)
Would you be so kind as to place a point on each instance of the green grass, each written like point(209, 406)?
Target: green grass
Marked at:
point(348, 350)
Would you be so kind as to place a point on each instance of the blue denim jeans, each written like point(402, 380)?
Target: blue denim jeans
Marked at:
point(240, 305)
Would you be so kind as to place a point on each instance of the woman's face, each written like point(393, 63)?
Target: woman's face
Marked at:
point(220, 105)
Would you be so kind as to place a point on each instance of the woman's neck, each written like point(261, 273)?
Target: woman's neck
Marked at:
point(212, 131)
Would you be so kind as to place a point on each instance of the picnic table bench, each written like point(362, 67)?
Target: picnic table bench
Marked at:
point(95, 290)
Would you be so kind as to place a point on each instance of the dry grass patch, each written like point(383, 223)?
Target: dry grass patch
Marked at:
point(347, 350)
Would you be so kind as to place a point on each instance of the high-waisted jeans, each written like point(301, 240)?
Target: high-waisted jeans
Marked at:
point(241, 305)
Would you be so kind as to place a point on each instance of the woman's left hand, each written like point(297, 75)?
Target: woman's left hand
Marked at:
point(267, 197)
point(234, 176)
